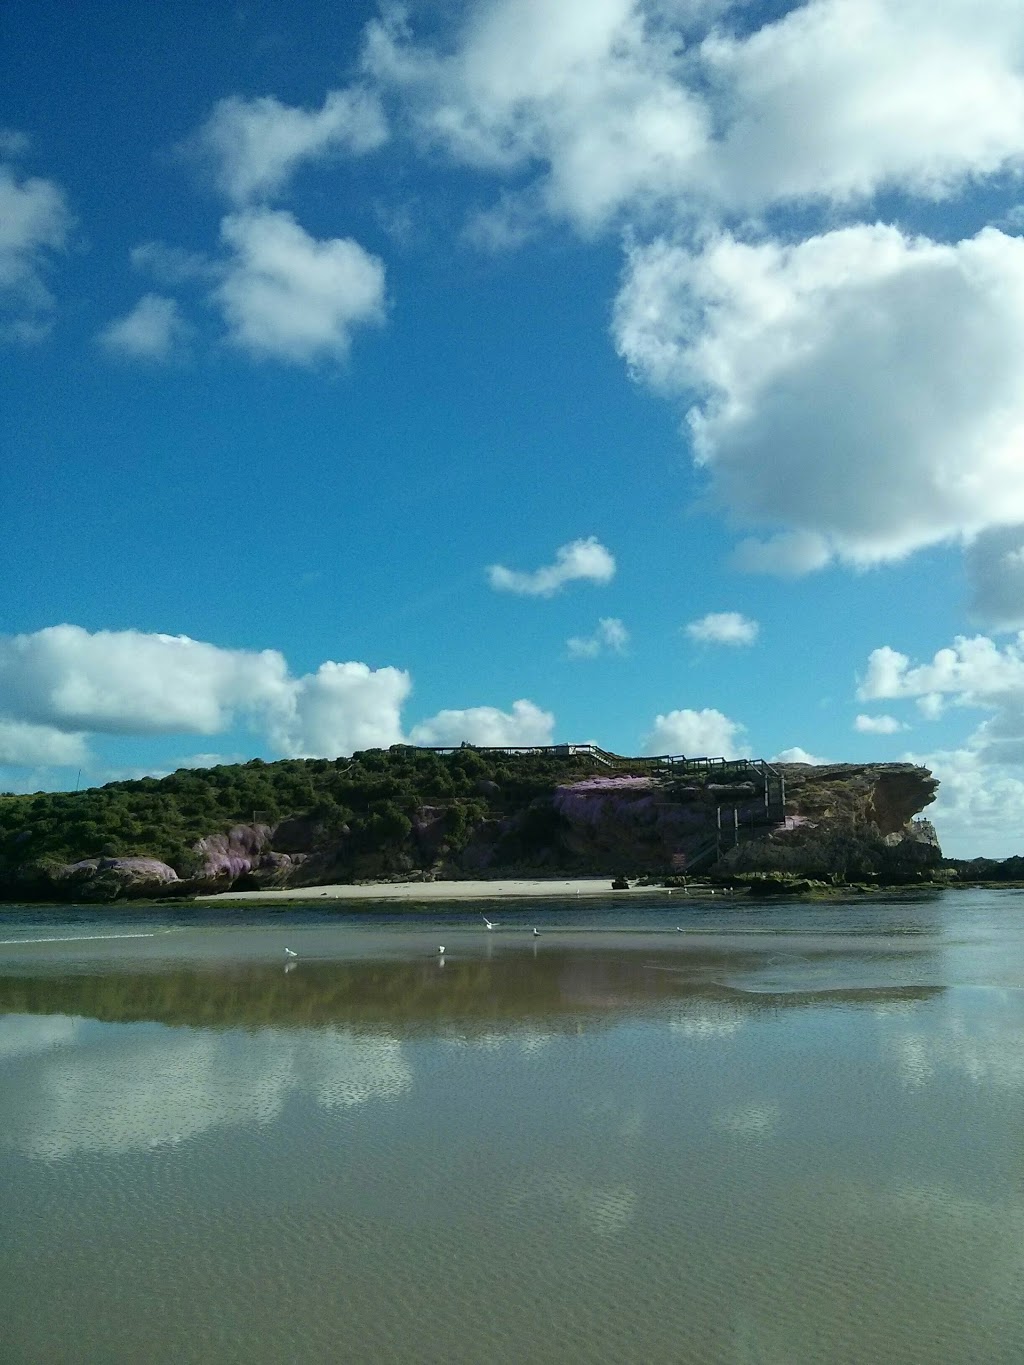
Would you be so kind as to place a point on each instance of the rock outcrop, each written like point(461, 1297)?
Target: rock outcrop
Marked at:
point(836, 822)
point(845, 822)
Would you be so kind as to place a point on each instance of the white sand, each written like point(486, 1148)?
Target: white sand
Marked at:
point(438, 891)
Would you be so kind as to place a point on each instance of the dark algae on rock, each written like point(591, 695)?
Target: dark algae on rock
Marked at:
point(408, 813)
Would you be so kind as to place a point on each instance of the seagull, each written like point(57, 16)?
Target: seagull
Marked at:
point(290, 952)
point(679, 928)
point(536, 933)
point(487, 921)
point(441, 950)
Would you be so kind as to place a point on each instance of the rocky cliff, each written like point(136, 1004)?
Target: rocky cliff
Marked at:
point(837, 822)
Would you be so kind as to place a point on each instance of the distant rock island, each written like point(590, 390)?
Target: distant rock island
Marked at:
point(419, 814)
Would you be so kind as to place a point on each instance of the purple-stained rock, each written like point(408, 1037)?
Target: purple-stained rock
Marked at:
point(104, 879)
point(232, 855)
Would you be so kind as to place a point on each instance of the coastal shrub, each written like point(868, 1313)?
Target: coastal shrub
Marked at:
point(376, 793)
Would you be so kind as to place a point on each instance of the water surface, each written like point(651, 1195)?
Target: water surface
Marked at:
point(788, 1133)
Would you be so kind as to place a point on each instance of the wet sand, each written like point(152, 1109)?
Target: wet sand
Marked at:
point(512, 888)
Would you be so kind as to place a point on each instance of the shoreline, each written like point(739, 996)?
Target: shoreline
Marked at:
point(510, 888)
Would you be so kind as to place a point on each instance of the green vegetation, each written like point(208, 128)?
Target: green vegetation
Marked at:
point(374, 795)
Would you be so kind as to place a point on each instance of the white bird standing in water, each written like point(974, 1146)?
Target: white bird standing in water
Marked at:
point(536, 933)
point(441, 950)
point(487, 921)
point(290, 952)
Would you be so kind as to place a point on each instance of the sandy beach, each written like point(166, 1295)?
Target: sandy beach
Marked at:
point(443, 891)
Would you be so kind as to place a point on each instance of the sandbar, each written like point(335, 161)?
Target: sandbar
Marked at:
point(510, 888)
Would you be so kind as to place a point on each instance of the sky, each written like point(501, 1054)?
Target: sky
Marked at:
point(644, 372)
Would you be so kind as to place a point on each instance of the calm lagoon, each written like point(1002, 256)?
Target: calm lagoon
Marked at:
point(784, 1134)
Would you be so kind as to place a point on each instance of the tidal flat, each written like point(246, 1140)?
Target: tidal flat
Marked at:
point(649, 1133)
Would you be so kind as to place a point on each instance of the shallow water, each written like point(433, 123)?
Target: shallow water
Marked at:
point(788, 1133)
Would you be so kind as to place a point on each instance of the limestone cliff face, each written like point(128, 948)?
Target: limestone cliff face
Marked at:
point(886, 795)
point(844, 819)
point(849, 821)
point(837, 821)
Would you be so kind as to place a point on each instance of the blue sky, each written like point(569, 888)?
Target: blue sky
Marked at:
point(648, 373)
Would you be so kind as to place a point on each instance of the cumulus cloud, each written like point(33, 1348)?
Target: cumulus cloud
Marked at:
point(979, 807)
point(342, 708)
point(580, 561)
point(129, 682)
point(973, 671)
point(153, 330)
point(34, 225)
point(23, 744)
point(995, 572)
point(878, 725)
point(627, 107)
point(288, 296)
point(840, 98)
point(611, 636)
point(859, 388)
point(697, 734)
point(790, 554)
point(981, 796)
point(62, 682)
point(586, 89)
point(525, 724)
point(931, 705)
point(724, 628)
point(256, 144)
point(797, 755)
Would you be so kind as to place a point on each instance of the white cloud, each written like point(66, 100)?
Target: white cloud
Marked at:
point(586, 89)
point(840, 98)
point(931, 705)
point(34, 224)
point(581, 560)
point(788, 554)
point(64, 679)
point(797, 755)
point(860, 387)
point(995, 572)
point(62, 683)
point(621, 107)
point(878, 725)
point(723, 628)
point(980, 805)
point(151, 331)
point(290, 297)
point(128, 682)
point(979, 809)
point(610, 635)
point(973, 671)
point(342, 708)
point(23, 744)
point(526, 724)
point(256, 144)
point(697, 734)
